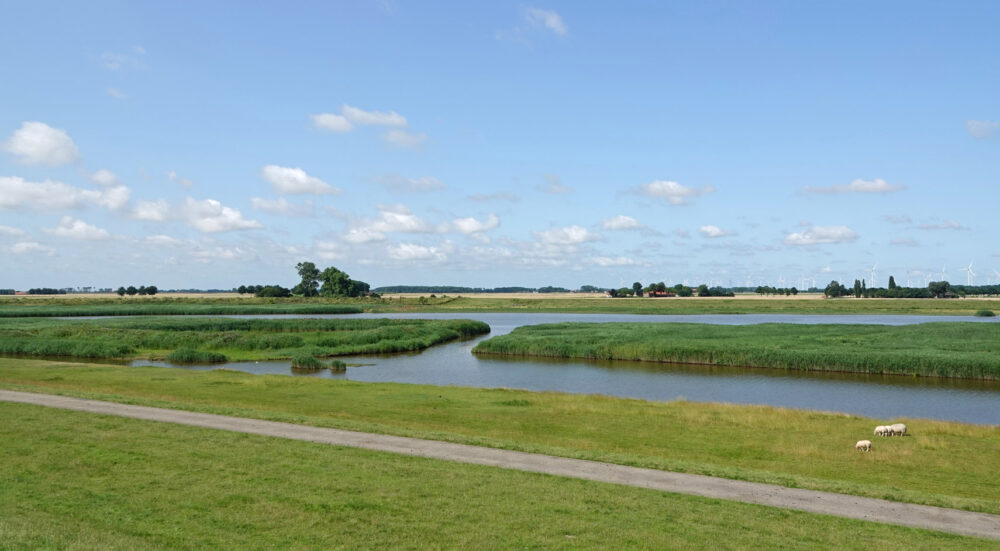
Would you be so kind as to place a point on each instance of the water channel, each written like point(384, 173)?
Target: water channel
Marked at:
point(880, 396)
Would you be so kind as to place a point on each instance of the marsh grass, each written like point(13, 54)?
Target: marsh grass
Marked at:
point(985, 313)
point(944, 464)
point(950, 349)
point(208, 340)
point(167, 307)
point(80, 481)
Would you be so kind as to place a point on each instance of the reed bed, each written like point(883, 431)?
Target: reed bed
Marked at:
point(951, 349)
point(185, 308)
point(209, 340)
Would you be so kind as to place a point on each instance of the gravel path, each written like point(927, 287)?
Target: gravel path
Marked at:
point(877, 510)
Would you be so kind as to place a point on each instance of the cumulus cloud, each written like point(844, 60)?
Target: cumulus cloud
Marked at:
point(104, 178)
point(161, 240)
point(672, 192)
point(569, 235)
point(72, 228)
point(175, 178)
point(609, 261)
point(982, 129)
point(17, 193)
point(398, 183)
point(822, 235)
point(946, 225)
point(476, 228)
point(155, 211)
point(37, 143)
point(621, 222)
point(413, 251)
point(293, 181)
point(283, 207)
point(363, 235)
point(29, 247)
point(403, 139)
point(877, 185)
point(377, 118)
point(546, 18)
point(331, 122)
point(210, 216)
point(397, 219)
point(713, 231)
point(11, 231)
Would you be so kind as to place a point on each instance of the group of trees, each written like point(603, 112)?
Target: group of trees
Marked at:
point(7, 291)
point(46, 291)
point(131, 290)
point(934, 289)
point(767, 290)
point(456, 290)
point(329, 282)
point(661, 289)
point(265, 291)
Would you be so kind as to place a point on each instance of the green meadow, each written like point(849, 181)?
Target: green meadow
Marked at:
point(214, 340)
point(940, 463)
point(949, 349)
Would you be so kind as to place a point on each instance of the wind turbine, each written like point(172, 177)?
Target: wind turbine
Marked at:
point(997, 274)
point(872, 282)
point(944, 274)
point(781, 281)
point(970, 274)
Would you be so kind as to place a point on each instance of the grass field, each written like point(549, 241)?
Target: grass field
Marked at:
point(950, 349)
point(73, 480)
point(945, 464)
point(213, 340)
point(14, 306)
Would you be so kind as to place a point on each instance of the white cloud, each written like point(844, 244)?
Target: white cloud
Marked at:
point(469, 226)
point(332, 122)
point(11, 231)
point(116, 93)
point(210, 216)
point(396, 182)
point(822, 235)
point(104, 178)
point(413, 251)
point(283, 207)
point(826, 270)
point(713, 231)
point(155, 211)
point(37, 143)
point(621, 222)
point(114, 61)
point(163, 241)
point(674, 193)
point(397, 218)
point(363, 235)
point(547, 18)
point(295, 181)
point(377, 118)
point(175, 178)
point(901, 219)
point(946, 225)
point(77, 229)
point(877, 185)
point(569, 235)
point(555, 185)
point(608, 261)
point(18, 193)
point(28, 247)
point(982, 129)
point(404, 139)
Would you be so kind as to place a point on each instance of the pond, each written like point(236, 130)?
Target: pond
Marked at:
point(880, 396)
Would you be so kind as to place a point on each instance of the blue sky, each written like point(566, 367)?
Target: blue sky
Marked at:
point(489, 144)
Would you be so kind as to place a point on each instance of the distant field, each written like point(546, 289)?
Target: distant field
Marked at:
point(942, 463)
point(82, 481)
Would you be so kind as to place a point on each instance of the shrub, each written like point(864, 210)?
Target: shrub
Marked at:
point(985, 313)
point(192, 356)
point(304, 361)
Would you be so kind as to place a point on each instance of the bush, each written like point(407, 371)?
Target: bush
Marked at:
point(338, 366)
point(985, 313)
point(304, 361)
point(192, 356)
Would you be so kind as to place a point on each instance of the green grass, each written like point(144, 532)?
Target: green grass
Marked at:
point(944, 464)
point(213, 340)
point(950, 349)
point(11, 308)
point(74, 480)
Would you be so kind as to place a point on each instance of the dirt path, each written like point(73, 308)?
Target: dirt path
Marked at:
point(877, 510)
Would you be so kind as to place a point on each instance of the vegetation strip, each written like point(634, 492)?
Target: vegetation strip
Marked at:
point(919, 516)
point(216, 340)
point(948, 349)
point(792, 448)
point(141, 484)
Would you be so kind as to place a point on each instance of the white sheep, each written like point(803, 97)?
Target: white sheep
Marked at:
point(897, 429)
point(882, 430)
point(863, 445)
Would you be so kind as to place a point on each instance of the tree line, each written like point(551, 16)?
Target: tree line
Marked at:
point(329, 282)
point(132, 290)
point(661, 289)
point(934, 289)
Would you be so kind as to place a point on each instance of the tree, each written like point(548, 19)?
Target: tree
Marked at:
point(703, 290)
point(121, 291)
point(152, 290)
point(939, 289)
point(857, 288)
point(892, 282)
point(242, 289)
point(142, 290)
point(835, 289)
point(131, 290)
point(273, 291)
point(637, 289)
point(309, 286)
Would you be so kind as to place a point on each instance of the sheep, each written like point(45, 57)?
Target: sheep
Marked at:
point(882, 430)
point(897, 429)
point(863, 445)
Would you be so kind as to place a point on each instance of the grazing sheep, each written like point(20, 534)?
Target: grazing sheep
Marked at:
point(897, 429)
point(863, 445)
point(882, 430)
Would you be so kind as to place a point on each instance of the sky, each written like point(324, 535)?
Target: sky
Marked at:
point(214, 144)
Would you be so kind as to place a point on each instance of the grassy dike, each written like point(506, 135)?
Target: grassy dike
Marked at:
point(950, 349)
point(214, 340)
point(944, 464)
point(74, 480)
